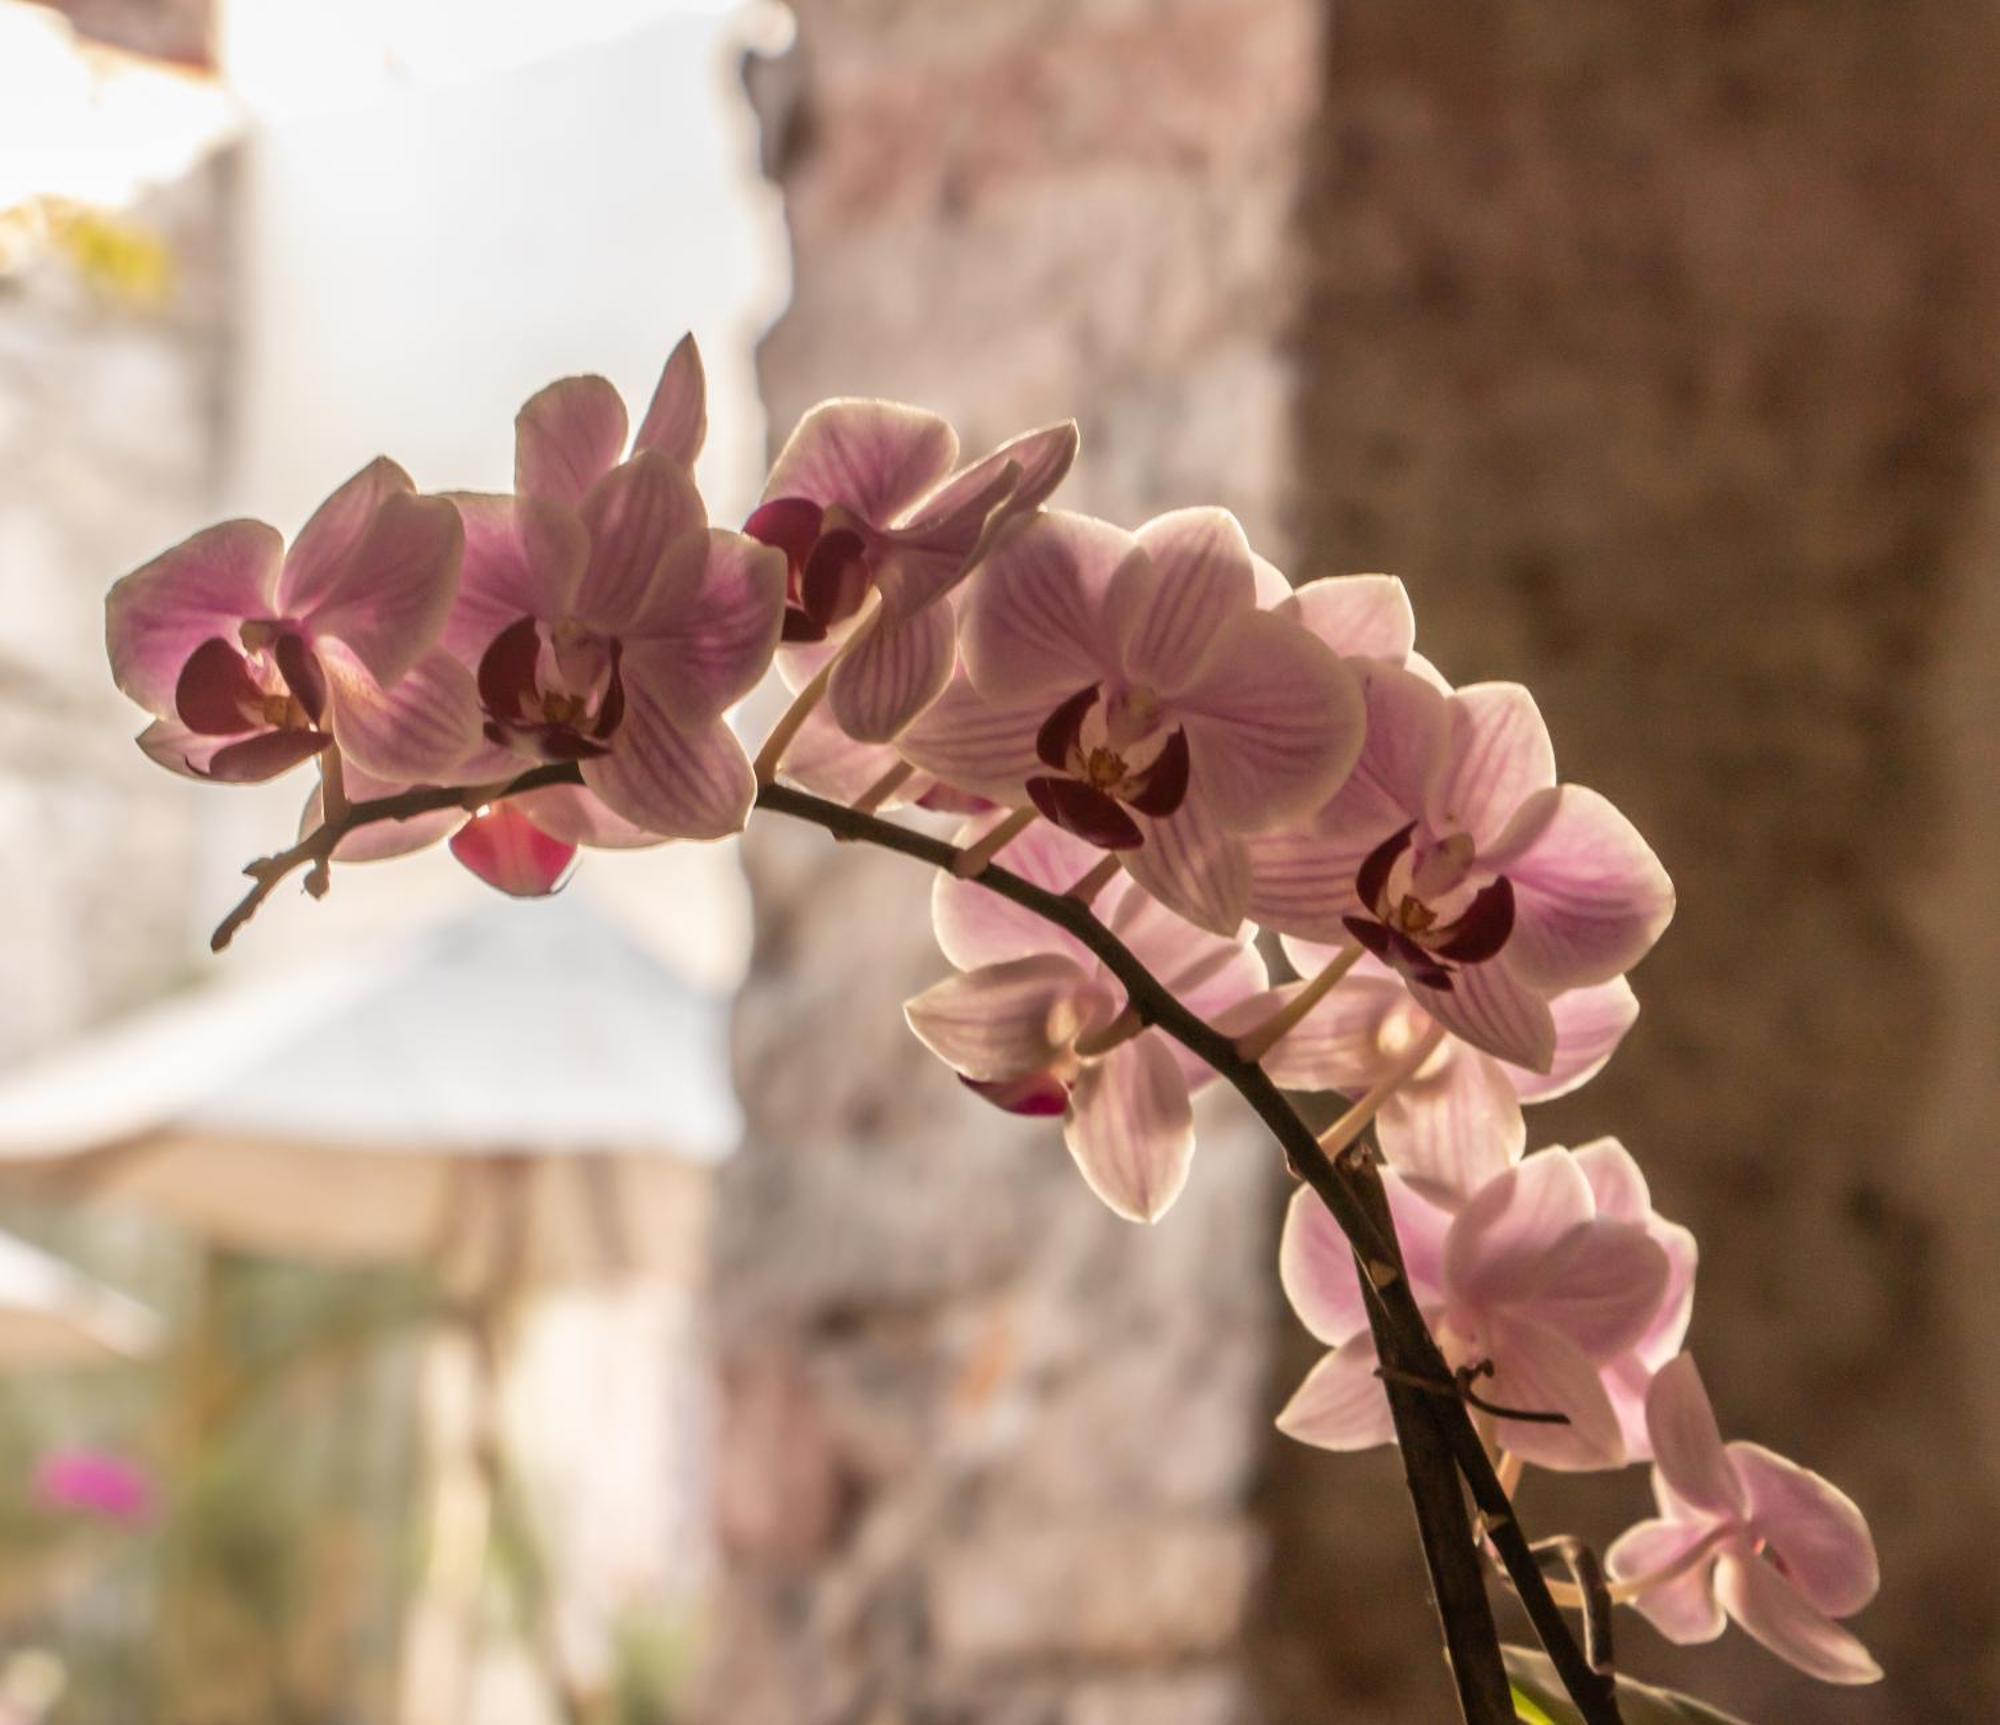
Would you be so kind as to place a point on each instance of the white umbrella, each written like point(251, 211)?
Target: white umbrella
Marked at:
point(524, 1092)
point(52, 1314)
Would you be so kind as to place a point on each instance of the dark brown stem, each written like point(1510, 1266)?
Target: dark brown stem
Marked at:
point(1393, 1308)
point(1588, 1574)
point(1451, 1555)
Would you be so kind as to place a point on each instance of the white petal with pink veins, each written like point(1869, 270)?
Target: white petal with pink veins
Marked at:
point(1316, 1268)
point(643, 517)
point(1815, 1527)
point(1342, 1404)
point(1497, 1246)
point(1131, 1128)
point(1684, 1610)
point(1488, 1007)
point(1538, 1370)
point(983, 747)
point(1589, 1024)
point(421, 730)
point(1687, 1444)
point(894, 671)
point(201, 590)
point(1590, 897)
point(1454, 1126)
point(1774, 1611)
point(329, 542)
point(523, 558)
point(1194, 868)
point(692, 783)
point(976, 926)
point(387, 604)
point(1005, 1021)
point(1168, 607)
point(873, 458)
point(1497, 754)
point(676, 422)
point(708, 630)
point(1034, 622)
point(566, 438)
point(1274, 720)
point(1358, 616)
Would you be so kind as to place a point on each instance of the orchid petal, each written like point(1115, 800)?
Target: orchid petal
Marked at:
point(682, 783)
point(1358, 616)
point(1539, 1370)
point(1601, 1285)
point(506, 850)
point(419, 731)
point(1041, 460)
point(1498, 1246)
point(977, 745)
point(1497, 755)
point(523, 558)
point(872, 458)
point(324, 552)
point(1274, 721)
point(894, 671)
point(1338, 1045)
point(1684, 1610)
point(1687, 1444)
point(253, 759)
point(1590, 896)
point(1005, 1021)
point(676, 422)
point(573, 815)
point(1316, 1268)
point(205, 587)
point(1823, 1538)
point(1776, 1613)
point(387, 601)
point(829, 763)
point(1131, 1128)
point(1167, 608)
point(1489, 1008)
point(567, 438)
point(976, 926)
point(1194, 868)
point(1035, 621)
point(711, 624)
point(638, 514)
point(1342, 1404)
point(1589, 1025)
point(1454, 1126)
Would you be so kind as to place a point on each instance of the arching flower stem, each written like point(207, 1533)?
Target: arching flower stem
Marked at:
point(1347, 1190)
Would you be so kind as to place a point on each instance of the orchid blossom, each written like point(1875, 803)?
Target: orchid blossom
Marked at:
point(1745, 1534)
point(1451, 1118)
point(1527, 1284)
point(1035, 1024)
point(1132, 689)
point(866, 498)
point(254, 658)
point(1454, 857)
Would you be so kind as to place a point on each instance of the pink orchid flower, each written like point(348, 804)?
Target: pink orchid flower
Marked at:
point(570, 435)
point(1527, 1276)
point(1133, 688)
point(1454, 1120)
point(1453, 856)
point(614, 633)
point(1621, 1192)
point(1017, 1025)
point(866, 496)
point(254, 659)
point(1744, 1533)
point(95, 1482)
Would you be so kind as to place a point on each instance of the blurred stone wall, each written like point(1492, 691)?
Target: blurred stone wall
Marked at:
point(987, 1452)
point(1655, 347)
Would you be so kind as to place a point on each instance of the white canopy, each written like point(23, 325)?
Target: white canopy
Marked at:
point(52, 1314)
point(524, 1084)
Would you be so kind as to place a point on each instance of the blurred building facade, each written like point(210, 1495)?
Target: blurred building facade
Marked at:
point(1654, 347)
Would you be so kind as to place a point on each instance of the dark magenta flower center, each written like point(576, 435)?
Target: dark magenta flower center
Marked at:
point(552, 691)
point(1109, 756)
point(1423, 918)
point(826, 565)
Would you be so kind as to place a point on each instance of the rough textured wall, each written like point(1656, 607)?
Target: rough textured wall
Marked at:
point(986, 1450)
point(1655, 345)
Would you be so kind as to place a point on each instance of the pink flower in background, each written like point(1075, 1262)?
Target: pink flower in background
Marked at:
point(1487, 886)
point(1017, 1025)
point(1527, 1276)
point(1744, 1533)
point(570, 435)
point(615, 634)
point(1454, 1121)
point(255, 659)
point(1132, 688)
point(95, 1482)
point(864, 497)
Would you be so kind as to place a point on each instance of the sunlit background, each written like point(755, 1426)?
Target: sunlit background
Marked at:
point(406, 1416)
